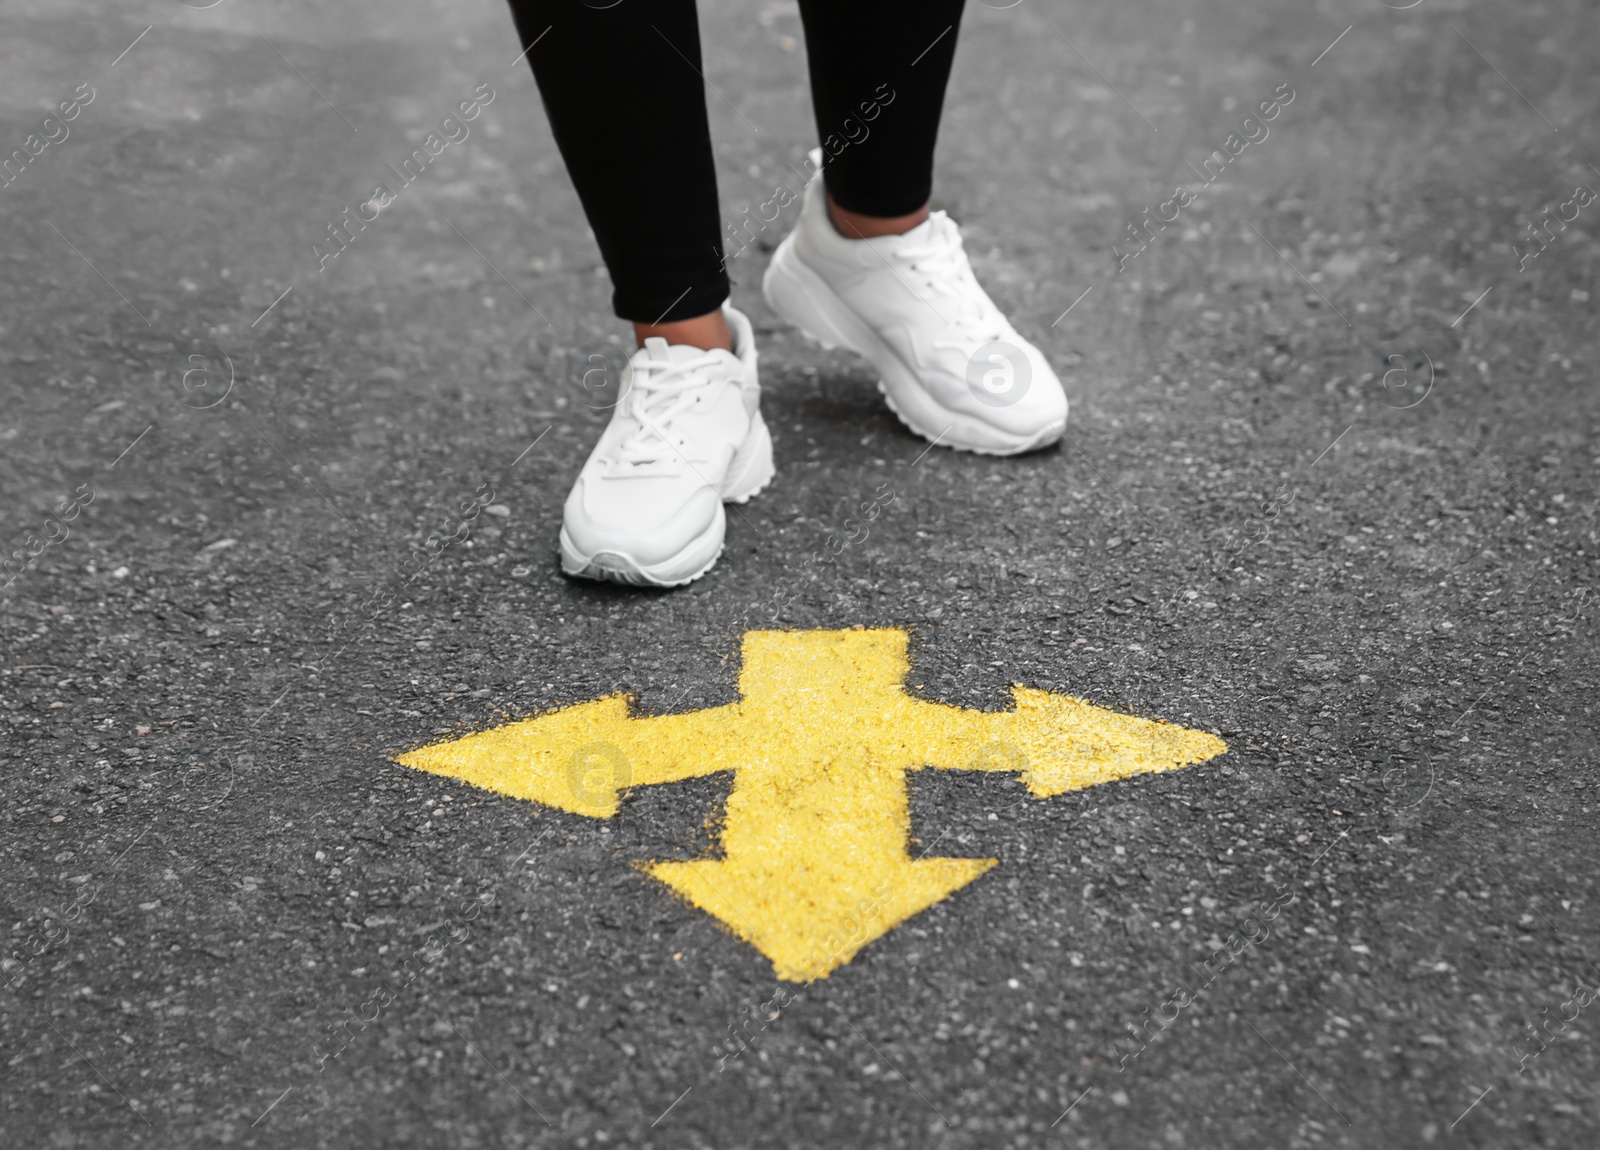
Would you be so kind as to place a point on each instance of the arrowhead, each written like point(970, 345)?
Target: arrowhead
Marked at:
point(1063, 744)
point(571, 758)
point(811, 922)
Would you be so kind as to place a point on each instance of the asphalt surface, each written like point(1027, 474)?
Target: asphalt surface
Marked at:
point(1378, 596)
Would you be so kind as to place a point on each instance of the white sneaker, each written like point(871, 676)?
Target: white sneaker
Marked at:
point(686, 435)
point(952, 367)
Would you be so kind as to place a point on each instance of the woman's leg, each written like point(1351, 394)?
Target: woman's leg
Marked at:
point(622, 87)
point(869, 267)
point(887, 60)
point(626, 102)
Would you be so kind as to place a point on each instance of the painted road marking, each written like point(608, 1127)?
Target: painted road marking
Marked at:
point(818, 818)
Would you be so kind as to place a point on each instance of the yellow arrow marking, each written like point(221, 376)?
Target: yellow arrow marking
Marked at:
point(818, 819)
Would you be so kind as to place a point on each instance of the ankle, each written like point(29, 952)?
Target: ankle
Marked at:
point(707, 332)
point(855, 226)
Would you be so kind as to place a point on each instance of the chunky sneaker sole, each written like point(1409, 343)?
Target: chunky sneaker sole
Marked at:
point(749, 474)
point(803, 298)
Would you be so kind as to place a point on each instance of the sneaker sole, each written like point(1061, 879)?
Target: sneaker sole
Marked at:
point(748, 475)
point(804, 299)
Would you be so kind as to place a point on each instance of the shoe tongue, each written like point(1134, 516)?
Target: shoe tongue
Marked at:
point(660, 350)
point(937, 225)
point(933, 230)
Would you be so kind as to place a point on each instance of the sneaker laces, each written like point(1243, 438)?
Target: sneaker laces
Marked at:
point(662, 389)
point(941, 264)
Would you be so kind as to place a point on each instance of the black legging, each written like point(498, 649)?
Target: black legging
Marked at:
point(623, 89)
